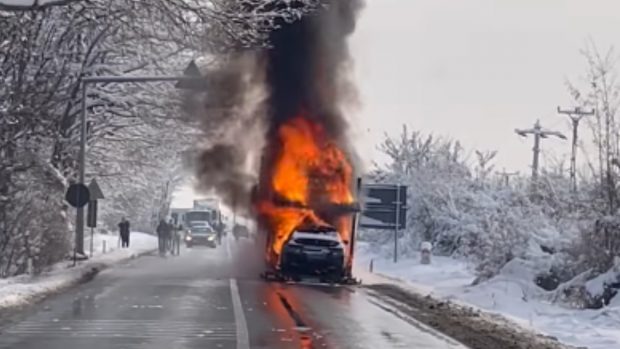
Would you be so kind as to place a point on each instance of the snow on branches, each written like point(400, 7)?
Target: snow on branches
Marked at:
point(135, 138)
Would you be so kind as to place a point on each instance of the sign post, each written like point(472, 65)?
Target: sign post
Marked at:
point(77, 196)
point(396, 213)
point(354, 227)
point(91, 222)
point(91, 219)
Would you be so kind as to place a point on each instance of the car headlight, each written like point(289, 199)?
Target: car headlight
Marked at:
point(294, 249)
point(211, 238)
point(188, 238)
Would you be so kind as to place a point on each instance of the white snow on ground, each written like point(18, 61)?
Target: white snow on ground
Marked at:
point(508, 294)
point(20, 290)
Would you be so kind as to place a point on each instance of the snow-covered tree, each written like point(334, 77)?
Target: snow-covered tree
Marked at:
point(135, 138)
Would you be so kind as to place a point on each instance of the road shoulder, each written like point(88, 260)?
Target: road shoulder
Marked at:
point(21, 294)
point(472, 327)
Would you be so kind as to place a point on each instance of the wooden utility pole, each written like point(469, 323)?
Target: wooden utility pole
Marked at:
point(538, 133)
point(506, 176)
point(575, 116)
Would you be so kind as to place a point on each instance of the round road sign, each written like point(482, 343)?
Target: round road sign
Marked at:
point(77, 195)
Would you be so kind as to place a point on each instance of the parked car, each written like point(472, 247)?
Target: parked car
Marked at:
point(240, 231)
point(314, 251)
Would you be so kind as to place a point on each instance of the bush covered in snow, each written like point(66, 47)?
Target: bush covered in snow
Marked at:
point(457, 208)
point(466, 213)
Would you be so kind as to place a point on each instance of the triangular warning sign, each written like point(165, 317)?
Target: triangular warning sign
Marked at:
point(192, 71)
point(95, 191)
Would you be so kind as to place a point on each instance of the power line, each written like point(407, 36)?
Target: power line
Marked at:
point(575, 116)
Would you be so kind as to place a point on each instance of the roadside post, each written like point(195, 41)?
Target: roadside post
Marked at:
point(91, 219)
point(425, 252)
point(354, 227)
point(396, 220)
point(77, 195)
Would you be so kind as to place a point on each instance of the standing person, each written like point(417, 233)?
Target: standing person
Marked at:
point(162, 235)
point(124, 230)
point(176, 239)
point(219, 230)
point(172, 236)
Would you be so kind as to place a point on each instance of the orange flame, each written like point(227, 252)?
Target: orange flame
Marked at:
point(308, 171)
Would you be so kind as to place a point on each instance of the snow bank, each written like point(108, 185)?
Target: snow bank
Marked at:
point(511, 294)
point(596, 286)
point(21, 290)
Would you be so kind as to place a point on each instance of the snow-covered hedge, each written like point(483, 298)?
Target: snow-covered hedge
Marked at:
point(567, 242)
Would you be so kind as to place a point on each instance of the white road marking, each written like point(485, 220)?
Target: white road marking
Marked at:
point(243, 338)
point(121, 329)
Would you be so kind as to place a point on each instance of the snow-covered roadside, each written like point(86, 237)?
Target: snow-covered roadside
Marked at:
point(21, 290)
point(508, 295)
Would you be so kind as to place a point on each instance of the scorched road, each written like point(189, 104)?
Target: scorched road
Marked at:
point(212, 298)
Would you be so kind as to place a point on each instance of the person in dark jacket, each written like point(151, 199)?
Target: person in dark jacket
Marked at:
point(124, 230)
point(163, 234)
point(175, 239)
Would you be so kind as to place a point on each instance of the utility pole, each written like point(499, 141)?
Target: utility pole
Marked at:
point(575, 116)
point(506, 176)
point(538, 133)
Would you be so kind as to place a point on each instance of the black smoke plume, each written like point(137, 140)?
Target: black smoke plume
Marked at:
point(305, 69)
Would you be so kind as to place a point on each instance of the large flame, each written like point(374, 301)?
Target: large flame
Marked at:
point(307, 174)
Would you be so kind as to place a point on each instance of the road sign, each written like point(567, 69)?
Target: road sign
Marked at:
point(192, 71)
point(91, 218)
point(95, 190)
point(385, 193)
point(77, 195)
point(384, 206)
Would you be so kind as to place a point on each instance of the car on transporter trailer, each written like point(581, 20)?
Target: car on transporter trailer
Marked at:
point(314, 251)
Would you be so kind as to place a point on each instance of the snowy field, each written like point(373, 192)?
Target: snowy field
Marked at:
point(22, 289)
point(509, 294)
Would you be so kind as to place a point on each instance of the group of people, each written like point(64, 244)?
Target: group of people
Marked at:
point(169, 236)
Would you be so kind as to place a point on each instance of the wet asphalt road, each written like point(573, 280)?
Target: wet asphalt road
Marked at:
point(212, 298)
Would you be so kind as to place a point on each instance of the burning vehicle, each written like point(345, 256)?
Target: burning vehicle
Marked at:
point(305, 200)
point(305, 204)
point(280, 149)
point(314, 250)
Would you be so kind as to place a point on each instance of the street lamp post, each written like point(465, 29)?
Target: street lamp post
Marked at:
point(192, 80)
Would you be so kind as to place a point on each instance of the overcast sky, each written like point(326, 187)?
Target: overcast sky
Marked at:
point(474, 69)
